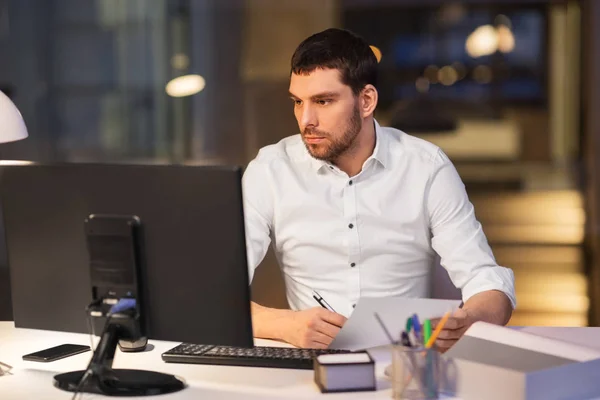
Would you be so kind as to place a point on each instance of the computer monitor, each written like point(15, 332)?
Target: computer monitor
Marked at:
point(193, 271)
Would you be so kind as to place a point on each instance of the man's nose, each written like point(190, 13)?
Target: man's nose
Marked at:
point(308, 118)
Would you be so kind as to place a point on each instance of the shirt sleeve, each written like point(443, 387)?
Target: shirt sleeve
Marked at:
point(458, 238)
point(258, 213)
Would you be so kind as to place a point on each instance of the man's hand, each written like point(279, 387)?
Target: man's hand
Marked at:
point(491, 306)
point(313, 328)
point(453, 330)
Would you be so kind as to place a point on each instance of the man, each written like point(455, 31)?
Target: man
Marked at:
point(354, 209)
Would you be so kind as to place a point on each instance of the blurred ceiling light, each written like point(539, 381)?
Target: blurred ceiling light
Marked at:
point(431, 73)
point(482, 42)
point(483, 74)
point(377, 53)
point(422, 84)
point(506, 39)
point(186, 85)
point(180, 61)
point(486, 39)
point(447, 75)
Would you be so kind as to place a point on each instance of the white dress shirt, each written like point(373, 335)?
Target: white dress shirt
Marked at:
point(373, 234)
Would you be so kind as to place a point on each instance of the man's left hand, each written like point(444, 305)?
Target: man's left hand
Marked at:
point(453, 330)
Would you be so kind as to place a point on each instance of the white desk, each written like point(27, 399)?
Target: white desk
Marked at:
point(33, 380)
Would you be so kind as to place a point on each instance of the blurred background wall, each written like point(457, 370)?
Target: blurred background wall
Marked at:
point(508, 89)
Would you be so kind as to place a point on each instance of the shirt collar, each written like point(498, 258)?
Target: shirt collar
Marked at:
point(380, 152)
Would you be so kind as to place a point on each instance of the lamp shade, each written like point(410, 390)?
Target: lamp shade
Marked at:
point(12, 126)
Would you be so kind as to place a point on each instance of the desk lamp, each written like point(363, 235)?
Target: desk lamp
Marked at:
point(12, 126)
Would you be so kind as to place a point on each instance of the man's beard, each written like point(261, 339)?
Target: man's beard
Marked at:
point(332, 148)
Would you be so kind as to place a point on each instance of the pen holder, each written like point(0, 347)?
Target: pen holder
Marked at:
point(415, 373)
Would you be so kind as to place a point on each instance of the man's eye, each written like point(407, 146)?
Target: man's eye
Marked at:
point(323, 102)
point(297, 102)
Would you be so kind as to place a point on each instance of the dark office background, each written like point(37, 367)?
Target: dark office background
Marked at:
point(506, 88)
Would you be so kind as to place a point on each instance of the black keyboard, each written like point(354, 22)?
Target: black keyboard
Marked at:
point(267, 357)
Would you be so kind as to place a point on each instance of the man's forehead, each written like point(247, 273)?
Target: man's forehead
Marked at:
point(315, 82)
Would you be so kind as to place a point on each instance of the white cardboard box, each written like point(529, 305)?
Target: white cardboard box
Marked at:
point(493, 362)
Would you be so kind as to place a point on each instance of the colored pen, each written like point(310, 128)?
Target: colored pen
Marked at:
point(437, 331)
point(426, 331)
point(408, 324)
point(416, 325)
point(322, 301)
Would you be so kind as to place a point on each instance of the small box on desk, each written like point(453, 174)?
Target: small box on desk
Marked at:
point(351, 372)
point(496, 363)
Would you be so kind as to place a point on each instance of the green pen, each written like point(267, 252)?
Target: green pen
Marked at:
point(426, 330)
point(408, 324)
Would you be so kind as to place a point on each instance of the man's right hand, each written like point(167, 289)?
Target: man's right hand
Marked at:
point(313, 328)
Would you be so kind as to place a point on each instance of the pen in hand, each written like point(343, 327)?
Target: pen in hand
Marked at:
point(322, 301)
point(437, 330)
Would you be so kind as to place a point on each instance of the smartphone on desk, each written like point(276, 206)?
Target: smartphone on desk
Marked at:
point(56, 353)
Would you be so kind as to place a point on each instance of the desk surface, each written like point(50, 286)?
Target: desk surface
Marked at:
point(32, 380)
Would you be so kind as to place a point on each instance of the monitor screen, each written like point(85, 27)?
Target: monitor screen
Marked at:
point(194, 275)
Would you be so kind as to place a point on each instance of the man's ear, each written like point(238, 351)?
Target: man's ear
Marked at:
point(368, 100)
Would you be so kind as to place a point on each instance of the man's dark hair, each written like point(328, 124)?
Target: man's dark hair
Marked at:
point(338, 49)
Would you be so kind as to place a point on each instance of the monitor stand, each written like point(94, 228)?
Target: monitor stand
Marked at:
point(101, 378)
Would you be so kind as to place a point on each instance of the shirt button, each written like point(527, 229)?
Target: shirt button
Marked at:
point(353, 265)
point(350, 183)
point(353, 305)
point(330, 167)
point(350, 226)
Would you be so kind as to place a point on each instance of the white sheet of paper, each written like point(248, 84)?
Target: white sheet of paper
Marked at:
point(362, 331)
